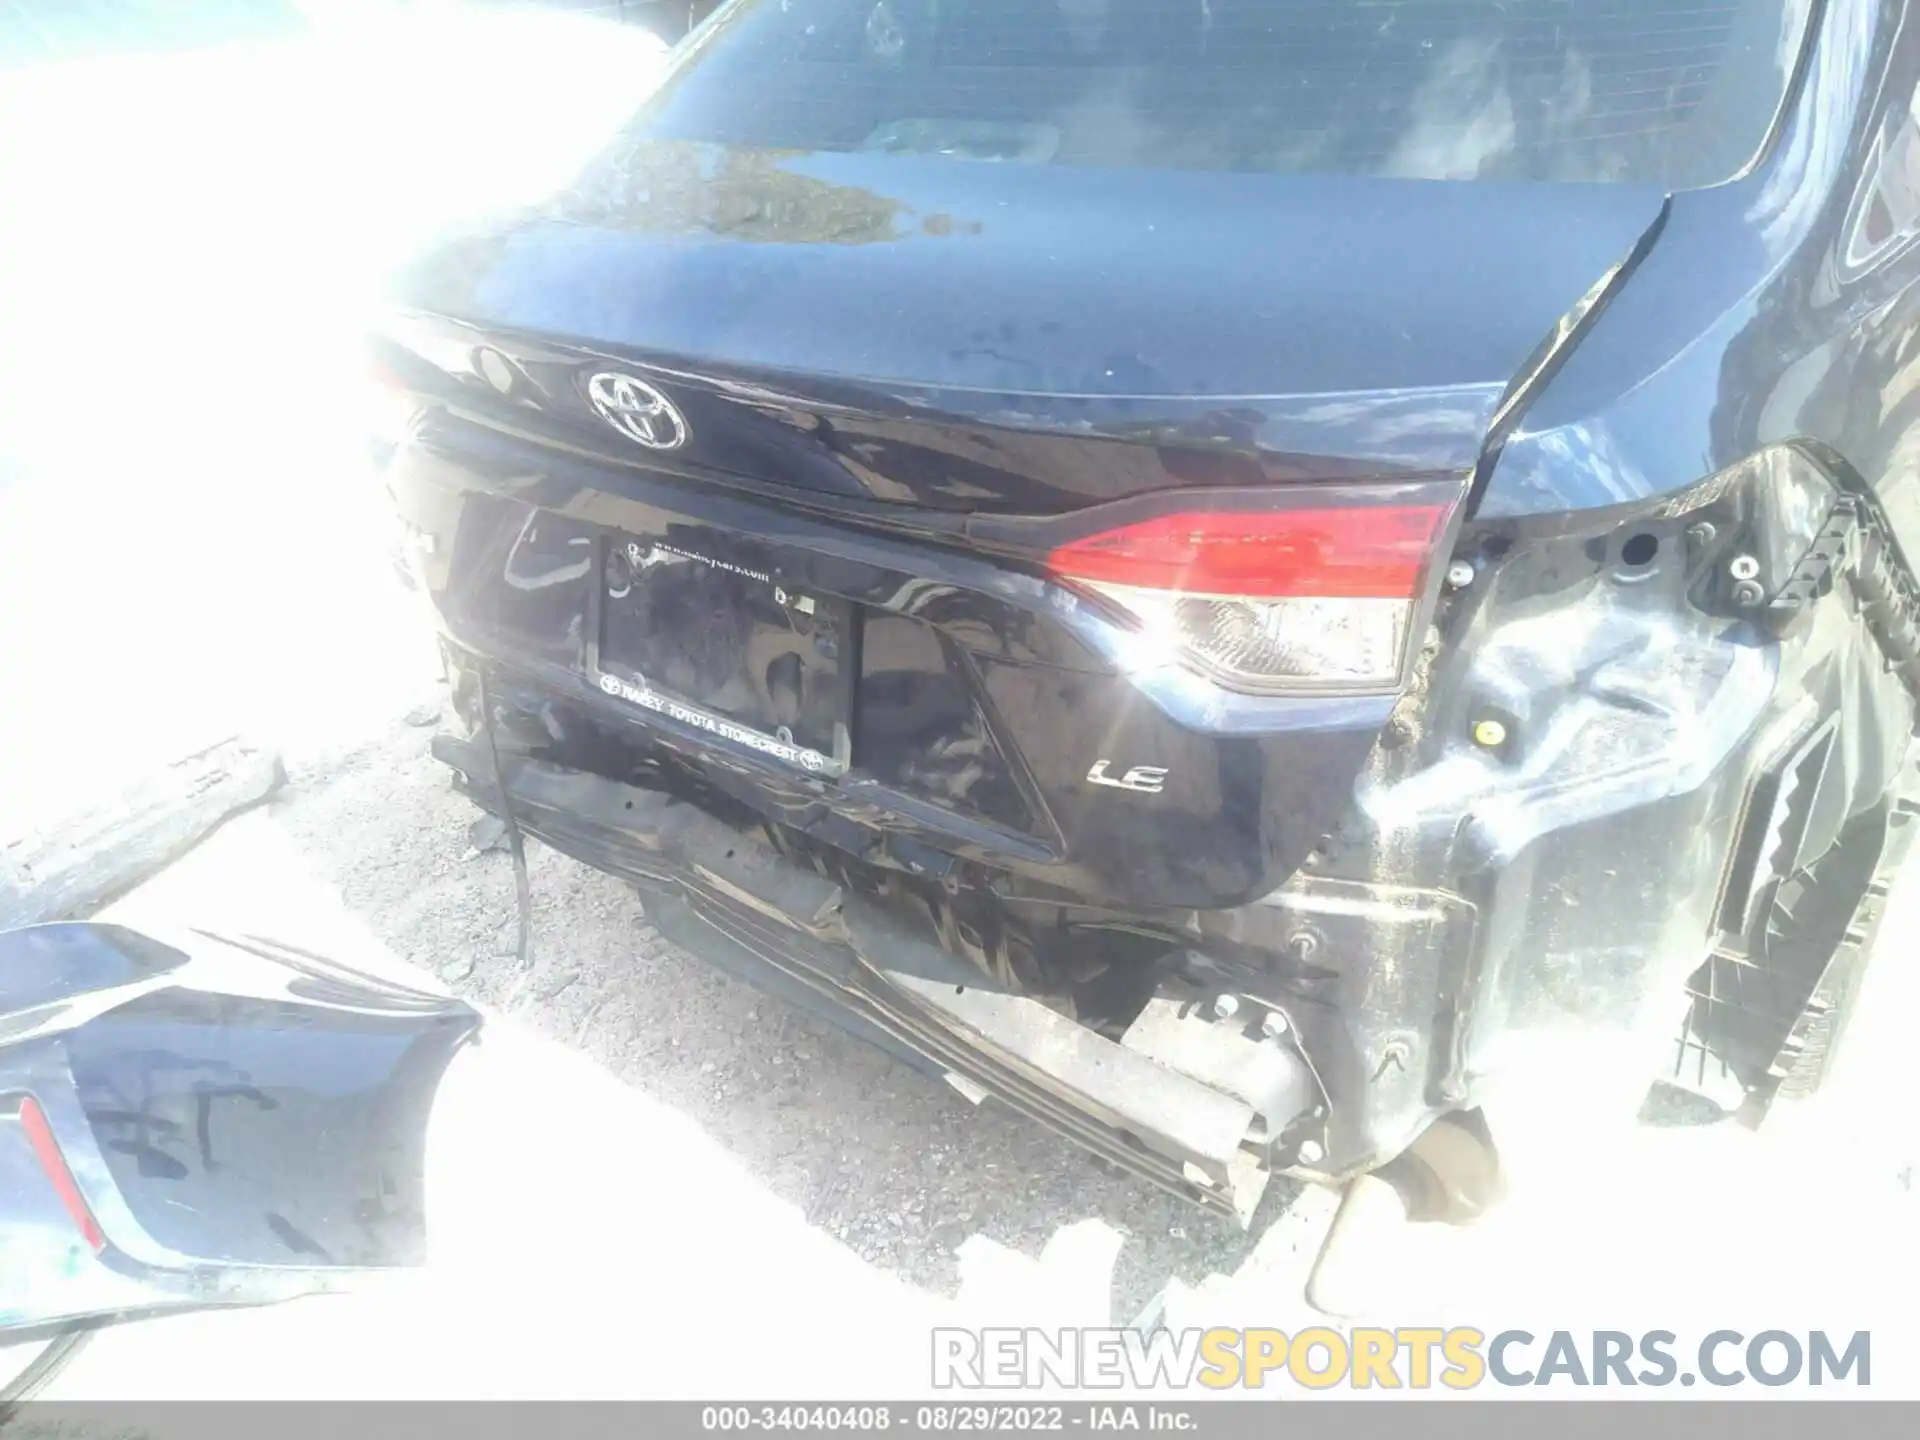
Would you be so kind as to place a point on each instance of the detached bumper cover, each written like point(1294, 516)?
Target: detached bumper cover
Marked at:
point(201, 1121)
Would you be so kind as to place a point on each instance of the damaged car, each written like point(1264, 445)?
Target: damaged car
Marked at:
point(1281, 587)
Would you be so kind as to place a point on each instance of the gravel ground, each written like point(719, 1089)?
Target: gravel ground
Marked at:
point(893, 1163)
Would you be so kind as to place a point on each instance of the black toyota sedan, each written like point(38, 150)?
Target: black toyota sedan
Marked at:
point(1282, 586)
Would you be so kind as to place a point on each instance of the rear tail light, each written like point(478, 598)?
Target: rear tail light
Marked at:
point(1320, 596)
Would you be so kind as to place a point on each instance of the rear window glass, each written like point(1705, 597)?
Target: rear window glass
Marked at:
point(1679, 92)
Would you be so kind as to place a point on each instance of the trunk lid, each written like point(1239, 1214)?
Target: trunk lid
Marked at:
point(972, 337)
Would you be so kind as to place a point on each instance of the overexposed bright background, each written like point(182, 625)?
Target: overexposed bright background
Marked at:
point(192, 231)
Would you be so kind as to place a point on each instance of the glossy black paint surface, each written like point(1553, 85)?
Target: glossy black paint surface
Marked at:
point(1008, 664)
point(1072, 285)
point(925, 728)
point(916, 456)
point(243, 1121)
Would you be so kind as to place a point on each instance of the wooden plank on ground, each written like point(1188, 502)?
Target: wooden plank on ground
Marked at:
point(67, 866)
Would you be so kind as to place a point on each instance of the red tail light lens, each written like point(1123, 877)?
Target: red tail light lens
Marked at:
point(46, 1150)
point(1272, 599)
point(1375, 551)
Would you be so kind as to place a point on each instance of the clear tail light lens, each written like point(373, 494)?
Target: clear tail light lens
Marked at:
point(1323, 596)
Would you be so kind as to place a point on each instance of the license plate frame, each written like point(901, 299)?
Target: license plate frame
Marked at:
point(721, 592)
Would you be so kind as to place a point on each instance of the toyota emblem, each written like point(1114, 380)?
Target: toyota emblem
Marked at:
point(637, 410)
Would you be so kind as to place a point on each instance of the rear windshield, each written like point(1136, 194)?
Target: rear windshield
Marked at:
point(1678, 92)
